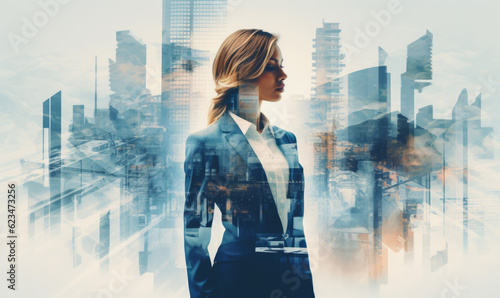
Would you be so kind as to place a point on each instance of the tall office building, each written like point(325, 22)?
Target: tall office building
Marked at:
point(192, 31)
point(328, 102)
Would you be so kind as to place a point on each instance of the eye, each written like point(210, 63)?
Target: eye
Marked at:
point(270, 67)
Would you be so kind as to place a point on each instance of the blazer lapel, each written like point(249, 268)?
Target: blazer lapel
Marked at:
point(240, 144)
point(287, 146)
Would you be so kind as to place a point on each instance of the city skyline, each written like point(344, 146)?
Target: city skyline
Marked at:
point(401, 178)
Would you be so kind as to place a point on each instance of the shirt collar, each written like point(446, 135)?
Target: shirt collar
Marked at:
point(245, 124)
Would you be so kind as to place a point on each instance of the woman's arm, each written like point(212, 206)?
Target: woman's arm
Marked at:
point(198, 217)
point(297, 187)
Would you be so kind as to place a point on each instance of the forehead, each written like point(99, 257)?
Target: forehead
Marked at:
point(277, 54)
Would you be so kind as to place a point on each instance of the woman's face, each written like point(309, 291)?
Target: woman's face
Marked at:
point(270, 82)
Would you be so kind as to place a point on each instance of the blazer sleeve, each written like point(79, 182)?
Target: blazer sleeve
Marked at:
point(298, 214)
point(299, 187)
point(198, 216)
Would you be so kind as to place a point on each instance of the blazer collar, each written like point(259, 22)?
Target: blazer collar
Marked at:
point(226, 124)
point(239, 142)
point(245, 125)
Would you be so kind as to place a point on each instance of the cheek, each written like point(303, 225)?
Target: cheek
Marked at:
point(266, 82)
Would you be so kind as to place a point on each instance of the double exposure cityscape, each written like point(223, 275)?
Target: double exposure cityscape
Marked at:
point(399, 193)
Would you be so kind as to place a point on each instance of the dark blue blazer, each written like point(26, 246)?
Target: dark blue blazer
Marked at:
point(222, 169)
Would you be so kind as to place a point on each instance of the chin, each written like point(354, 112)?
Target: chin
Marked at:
point(273, 97)
point(276, 97)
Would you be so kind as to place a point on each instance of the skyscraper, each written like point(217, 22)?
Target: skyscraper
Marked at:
point(192, 31)
point(327, 99)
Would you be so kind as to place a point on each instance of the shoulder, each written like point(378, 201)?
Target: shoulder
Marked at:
point(203, 133)
point(284, 135)
point(203, 136)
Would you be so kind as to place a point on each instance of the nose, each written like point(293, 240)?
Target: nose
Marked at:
point(282, 75)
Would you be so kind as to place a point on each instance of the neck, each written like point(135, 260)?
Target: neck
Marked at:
point(249, 107)
point(252, 114)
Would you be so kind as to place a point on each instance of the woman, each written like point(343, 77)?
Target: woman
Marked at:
point(250, 170)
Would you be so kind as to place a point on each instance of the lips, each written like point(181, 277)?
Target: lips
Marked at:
point(280, 88)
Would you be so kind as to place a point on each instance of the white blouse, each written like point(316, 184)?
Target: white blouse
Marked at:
point(272, 159)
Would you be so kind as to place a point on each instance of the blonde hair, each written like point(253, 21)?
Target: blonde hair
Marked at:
point(242, 57)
